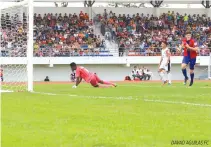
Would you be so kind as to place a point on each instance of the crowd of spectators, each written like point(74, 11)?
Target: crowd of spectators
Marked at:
point(73, 35)
point(141, 34)
point(13, 35)
point(65, 35)
point(54, 35)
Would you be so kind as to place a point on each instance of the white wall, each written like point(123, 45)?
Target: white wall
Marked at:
point(149, 10)
point(202, 60)
point(109, 68)
point(43, 10)
point(106, 72)
point(97, 10)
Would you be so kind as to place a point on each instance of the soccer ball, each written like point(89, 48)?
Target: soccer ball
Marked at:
point(128, 65)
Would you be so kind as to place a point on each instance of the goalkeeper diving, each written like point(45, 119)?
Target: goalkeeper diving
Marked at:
point(89, 77)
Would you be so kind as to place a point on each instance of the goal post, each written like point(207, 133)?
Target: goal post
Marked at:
point(209, 68)
point(30, 46)
point(17, 43)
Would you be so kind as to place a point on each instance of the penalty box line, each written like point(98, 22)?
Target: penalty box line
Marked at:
point(127, 98)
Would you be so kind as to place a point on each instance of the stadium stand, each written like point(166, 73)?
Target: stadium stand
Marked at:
point(63, 35)
point(141, 34)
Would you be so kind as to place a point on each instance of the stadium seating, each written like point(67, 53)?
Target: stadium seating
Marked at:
point(64, 35)
point(144, 32)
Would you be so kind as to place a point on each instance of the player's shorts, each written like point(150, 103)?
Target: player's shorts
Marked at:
point(188, 60)
point(167, 67)
point(94, 80)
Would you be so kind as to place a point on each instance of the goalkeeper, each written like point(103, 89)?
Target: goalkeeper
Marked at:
point(92, 78)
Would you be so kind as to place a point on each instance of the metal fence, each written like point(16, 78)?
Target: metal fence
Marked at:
point(97, 52)
point(156, 51)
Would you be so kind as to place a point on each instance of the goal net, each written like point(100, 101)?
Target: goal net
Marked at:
point(16, 47)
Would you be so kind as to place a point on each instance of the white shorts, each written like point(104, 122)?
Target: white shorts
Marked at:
point(166, 67)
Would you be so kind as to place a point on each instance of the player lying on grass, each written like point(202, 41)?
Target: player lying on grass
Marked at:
point(190, 54)
point(92, 78)
point(164, 66)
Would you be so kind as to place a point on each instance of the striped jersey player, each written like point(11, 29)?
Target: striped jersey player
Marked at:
point(189, 57)
point(165, 64)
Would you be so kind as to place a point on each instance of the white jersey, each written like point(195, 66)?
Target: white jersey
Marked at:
point(164, 54)
point(165, 64)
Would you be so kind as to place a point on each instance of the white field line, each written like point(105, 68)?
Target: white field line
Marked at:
point(128, 98)
point(177, 102)
point(157, 86)
point(89, 97)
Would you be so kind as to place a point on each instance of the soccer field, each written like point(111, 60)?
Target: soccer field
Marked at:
point(131, 115)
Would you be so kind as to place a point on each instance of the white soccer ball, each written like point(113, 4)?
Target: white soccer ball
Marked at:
point(127, 64)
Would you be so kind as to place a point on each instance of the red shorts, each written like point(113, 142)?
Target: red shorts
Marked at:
point(94, 80)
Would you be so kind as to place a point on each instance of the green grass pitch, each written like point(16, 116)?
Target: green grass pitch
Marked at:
point(131, 115)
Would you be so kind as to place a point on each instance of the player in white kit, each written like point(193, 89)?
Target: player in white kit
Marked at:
point(165, 64)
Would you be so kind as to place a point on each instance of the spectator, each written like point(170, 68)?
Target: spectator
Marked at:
point(136, 73)
point(139, 74)
point(121, 49)
point(1, 75)
point(46, 79)
point(147, 74)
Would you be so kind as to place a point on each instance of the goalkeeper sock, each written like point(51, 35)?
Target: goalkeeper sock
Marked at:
point(105, 86)
point(107, 83)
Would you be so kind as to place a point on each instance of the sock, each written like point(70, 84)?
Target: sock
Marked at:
point(184, 73)
point(105, 86)
point(163, 78)
point(192, 77)
point(169, 77)
point(107, 83)
point(161, 75)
